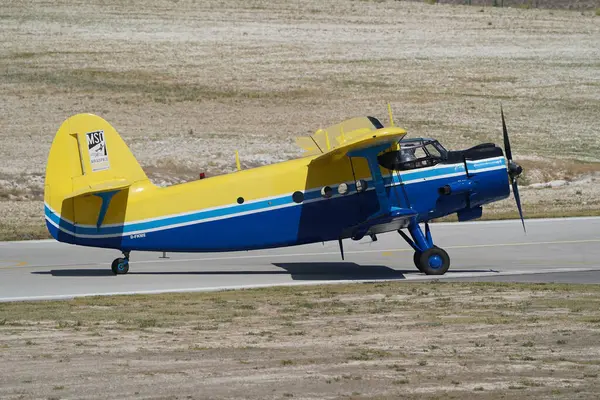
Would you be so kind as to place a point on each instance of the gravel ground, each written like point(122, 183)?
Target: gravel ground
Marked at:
point(383, 341)
point(187, 83)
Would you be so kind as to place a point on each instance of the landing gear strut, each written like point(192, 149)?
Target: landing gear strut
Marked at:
point(428, 258)
point(120, 266)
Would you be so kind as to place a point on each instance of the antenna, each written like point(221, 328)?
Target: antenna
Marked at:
point(237, 161)
point(327, 141)
point(390, 114)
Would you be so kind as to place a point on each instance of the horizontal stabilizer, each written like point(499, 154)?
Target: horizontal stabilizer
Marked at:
point(99, 187)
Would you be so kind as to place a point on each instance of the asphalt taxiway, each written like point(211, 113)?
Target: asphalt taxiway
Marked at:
point(553, 250)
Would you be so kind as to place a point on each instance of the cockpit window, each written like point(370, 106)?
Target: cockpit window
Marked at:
point(420, 153)
point(433, 151)
point(413, 153)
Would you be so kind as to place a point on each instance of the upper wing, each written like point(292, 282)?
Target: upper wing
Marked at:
point(353, 134)
point(334, 136)
point(309, 145)
point(379, 138)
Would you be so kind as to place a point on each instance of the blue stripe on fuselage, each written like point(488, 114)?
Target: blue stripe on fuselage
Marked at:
point(262, 225)
point(408, 177)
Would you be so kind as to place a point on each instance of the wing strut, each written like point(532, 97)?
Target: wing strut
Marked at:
point(370, 154)
point(387, 214)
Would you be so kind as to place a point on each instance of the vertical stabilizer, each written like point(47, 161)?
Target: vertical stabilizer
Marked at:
point(89, 172)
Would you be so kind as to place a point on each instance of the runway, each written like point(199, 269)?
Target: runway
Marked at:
point(554, 250)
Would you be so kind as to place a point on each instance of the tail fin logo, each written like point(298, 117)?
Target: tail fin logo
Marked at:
point(97, 150)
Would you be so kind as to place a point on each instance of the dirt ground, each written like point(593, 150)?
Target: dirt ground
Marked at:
point(363, 341)
point(186, 83)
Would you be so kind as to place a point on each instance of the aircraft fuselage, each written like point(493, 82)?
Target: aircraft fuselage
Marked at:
point(277, 205)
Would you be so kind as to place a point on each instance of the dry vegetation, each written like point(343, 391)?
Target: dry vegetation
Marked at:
point(389, 340)
point(186, 83)
point(527, 4)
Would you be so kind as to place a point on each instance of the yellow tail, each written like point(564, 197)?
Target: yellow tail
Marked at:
point(88, 164)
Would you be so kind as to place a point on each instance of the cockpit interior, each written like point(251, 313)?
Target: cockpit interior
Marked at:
point(412, 154)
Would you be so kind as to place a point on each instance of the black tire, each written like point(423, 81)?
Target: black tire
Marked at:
point(434, 261)
point(120, 266)
point(417, 260)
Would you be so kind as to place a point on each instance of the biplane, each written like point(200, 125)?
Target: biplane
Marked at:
point(357, 179)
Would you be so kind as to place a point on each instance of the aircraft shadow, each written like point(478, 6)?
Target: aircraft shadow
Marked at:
point(319, 271)
point(76, 272)
point(350, 271)
point(297, 271)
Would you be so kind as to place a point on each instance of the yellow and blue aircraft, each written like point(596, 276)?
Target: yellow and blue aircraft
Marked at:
point(357, 178)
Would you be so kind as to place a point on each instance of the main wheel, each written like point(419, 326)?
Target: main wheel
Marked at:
point(417, 260)
point(434, 261)
point(120, 266)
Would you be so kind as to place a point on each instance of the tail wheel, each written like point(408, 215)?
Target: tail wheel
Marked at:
point(434, 261)
point(120, 266)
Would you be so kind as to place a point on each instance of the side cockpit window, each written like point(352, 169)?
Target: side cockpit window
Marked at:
point(433, 151)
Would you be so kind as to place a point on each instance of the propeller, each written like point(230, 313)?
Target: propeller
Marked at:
point(514, 169)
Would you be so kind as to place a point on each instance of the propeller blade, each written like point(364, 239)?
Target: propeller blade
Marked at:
point(515, 188)
point(514, 170)
point(507, 150)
